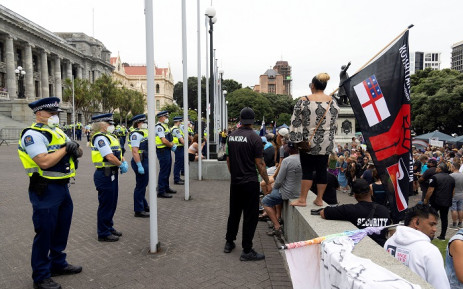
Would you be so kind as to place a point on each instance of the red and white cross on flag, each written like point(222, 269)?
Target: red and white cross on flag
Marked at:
point(372, 100)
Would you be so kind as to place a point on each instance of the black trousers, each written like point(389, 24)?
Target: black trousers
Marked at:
point(244, 198)
point(444, 217)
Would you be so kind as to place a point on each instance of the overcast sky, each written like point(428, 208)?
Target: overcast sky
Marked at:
point(251, 35)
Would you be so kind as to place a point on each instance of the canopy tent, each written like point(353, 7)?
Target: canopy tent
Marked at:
point(435, 134)
point(282, 126)
point(458, 141)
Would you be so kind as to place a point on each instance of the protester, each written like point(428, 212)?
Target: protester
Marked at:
point(457, 201)
point(332, 164)
point(426, 176)
point(439, 195)
point(368, 173)
point(341, 165)
point(364, 214)
point(244, 152)
point(379, 192)
point(286, 186)
point(411, 244)
point(193, 149)
point(313, 126)
point(454, 260)
point(332, 185)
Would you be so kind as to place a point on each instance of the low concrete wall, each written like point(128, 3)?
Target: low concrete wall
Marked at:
point(211, 170)
point(301, 225)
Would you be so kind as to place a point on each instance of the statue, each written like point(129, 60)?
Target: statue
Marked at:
point(343, 76)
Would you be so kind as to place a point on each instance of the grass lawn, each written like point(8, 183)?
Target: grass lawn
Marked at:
point(441, 245)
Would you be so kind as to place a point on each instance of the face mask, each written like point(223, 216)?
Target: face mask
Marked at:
point(166, 121)
point(53, 121)
point(144, 126)
point(110, 129)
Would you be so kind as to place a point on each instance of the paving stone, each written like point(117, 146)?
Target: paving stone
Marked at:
point(192, 236)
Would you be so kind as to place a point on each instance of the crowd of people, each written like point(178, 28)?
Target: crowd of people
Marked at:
point(291, 163)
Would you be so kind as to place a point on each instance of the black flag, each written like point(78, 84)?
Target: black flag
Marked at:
point(380, 97)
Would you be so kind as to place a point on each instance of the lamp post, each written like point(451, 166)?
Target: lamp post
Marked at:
point(226, 115)
point(220, 101)
point(224, 110)
point(210, 13)
point(20, 73)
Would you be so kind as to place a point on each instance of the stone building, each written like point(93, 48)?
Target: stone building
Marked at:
point(457, 56)
point(134, 77)
point(34, 63)
point(276, 80)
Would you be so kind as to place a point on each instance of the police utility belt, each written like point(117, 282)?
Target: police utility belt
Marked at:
point(39, 184)
point(108, 171)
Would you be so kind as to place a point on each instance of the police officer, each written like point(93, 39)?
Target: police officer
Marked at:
point(49, 158)
point(179, 141)
point(79, 130)
point(138, 143)
point(164, 145)
point(107, 158)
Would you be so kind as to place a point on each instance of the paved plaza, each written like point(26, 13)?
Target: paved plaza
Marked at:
point(191, 235)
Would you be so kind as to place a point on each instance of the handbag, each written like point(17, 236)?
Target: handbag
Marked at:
point(305, 145)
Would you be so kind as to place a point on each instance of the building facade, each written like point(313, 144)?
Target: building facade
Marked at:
point(134, 77)
point(422, 60)
point(34, 63)
point(457, 56)
point(276, 80)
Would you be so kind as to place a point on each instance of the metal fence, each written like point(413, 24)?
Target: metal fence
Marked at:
point(9, 135)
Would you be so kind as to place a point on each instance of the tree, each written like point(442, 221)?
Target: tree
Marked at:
point(284, 118)
point(246, 97)
point(436, 100)
point(280, 104)
point(84, 98)
point(230, 85)
point(106, 89)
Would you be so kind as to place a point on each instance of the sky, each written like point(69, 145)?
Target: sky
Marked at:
point(251, 35)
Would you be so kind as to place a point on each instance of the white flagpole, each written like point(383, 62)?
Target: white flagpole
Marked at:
point(154, 242)
point(208, 109)
point(73, 111)
point(185, 102)
point(200, 122)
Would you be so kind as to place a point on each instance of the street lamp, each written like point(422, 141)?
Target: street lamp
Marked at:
point(20, 73)
point(210, 13)
point(226, 115)
point(224, 110)
point(220, 102)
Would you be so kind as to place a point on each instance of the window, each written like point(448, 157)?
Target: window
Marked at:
point(271, 88)
point(157, 88)
point(1, 52)
point(35, 67)
point(158, 104)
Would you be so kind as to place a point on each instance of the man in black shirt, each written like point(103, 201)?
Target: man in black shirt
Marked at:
point(364, 214)
point(440, 194)
point(424, 179)
point(244, 152)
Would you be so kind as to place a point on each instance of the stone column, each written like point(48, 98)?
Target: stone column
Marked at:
point(79, 71)
point(44, 74)
point(10, 74)
point(58, 83)
point(69, 69)
point(29, 77)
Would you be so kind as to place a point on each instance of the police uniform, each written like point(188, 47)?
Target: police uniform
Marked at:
point(164, 155)
point(139, 139)
point(49, 195)
point(106, 178)
point(177, 133)
point(79, 131)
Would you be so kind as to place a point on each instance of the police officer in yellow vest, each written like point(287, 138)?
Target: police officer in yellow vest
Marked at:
point(138, 143)
point(79, 130)
point(48, 157)
point(107, 158)
point(164, 145)
point(179, 140)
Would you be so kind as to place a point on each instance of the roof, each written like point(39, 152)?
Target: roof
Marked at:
point(271, 73)
point(113, 60)
point(141, 70)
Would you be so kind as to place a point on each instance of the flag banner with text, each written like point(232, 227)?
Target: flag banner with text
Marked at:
point(380, 98)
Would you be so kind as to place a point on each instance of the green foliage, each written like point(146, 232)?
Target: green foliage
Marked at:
point(84, 96)
point(436, 99)
point(230, 85)
point(284, 118)
point(246, 97)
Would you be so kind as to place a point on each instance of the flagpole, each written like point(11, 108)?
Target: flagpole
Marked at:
point(376, 55)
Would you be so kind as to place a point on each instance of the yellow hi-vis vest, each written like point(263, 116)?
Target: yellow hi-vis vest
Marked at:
point(144, 141)
point(168, 134)
point(97, 159)
point(64, 169)
point(175, 139)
